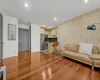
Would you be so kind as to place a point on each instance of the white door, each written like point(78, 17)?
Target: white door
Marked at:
point(1, 37)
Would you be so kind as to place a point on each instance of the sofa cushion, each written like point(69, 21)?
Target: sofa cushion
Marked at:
point(97, 63)
point(77, 56)
point(86, 59)
point(71, 47)
point(69, 53)
point(82, 57)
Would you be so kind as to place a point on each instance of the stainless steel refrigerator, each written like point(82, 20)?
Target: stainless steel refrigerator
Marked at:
point(44, 43)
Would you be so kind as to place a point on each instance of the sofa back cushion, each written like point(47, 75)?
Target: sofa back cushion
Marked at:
point(75, 48)
point(71, 47)
point(95, 50)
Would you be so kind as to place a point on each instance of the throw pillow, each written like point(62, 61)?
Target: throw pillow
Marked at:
point(85, 48)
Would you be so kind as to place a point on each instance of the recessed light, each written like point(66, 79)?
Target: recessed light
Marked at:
point(86, 1)
point(55, 19)
point(26, 5)
point(43, 26)
point(49, 27)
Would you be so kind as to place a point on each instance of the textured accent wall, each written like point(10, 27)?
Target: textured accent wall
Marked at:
point(75, 31)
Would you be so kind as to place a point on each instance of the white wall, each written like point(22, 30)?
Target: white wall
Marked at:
point(23, 26)
point(35, 38)
point(1, 12)
point(10, 48)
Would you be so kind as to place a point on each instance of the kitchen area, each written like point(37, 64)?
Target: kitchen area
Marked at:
point(47, 38)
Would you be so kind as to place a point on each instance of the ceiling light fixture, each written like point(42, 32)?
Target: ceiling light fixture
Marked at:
point(86, 1)
point(26, 5)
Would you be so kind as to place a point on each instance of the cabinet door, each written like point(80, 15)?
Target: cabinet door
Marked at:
point(54, 32)
point(42, 31)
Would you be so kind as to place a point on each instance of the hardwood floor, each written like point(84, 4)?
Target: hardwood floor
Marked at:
point(40, 66)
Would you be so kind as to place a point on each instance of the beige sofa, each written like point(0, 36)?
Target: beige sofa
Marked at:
point(72, 51)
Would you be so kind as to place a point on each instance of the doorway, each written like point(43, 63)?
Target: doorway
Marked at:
point(1, 37)
point(23, 40)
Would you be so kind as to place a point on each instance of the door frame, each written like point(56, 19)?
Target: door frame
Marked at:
point(29, 38)
point(1, 13)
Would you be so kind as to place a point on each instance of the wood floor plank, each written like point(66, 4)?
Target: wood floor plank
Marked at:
point(40, 66)
point(49, 70)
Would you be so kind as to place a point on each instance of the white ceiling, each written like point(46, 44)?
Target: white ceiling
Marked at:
point(43, 12)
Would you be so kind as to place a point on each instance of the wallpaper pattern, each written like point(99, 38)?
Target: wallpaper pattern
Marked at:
point(75, 31)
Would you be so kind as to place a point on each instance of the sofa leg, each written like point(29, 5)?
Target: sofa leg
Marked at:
point(92, 65)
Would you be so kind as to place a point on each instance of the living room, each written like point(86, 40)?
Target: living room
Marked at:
point(43, 42)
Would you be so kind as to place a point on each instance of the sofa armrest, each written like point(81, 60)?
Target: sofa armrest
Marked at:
point(95, 56)
point(62, 49)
